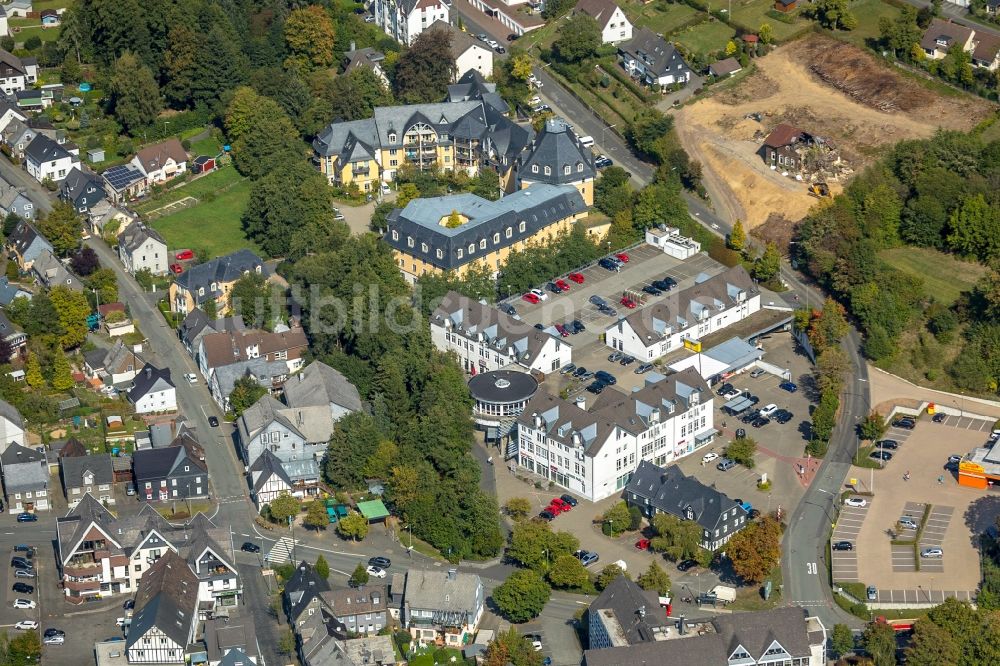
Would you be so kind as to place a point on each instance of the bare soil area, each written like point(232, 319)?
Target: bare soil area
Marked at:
point(823, 87)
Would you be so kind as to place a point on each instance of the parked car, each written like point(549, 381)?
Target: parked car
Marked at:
point(546, 515)
point(843, 545)
point(176, 268)
point(686, 565)
point(52, 631)
point(651, 290)
point(622, 257)
point(750, 416)
point(499, 49)
point(768, 410)
point(21, 563)
point(608, 310)
point(626, 360)
point(954, 458)
point(54, 640)
point(191, 377)
point(642, 544)
point(730, 393)
point(872, 593)
point(644, 368)
point(783, 416)
point(906, 423)
point(607, 264)
point(26, 517)
point(788, 386)
point(587, 557)
point(597, 300)
point(567, 369)
point(576, 277)
point(628, 302)
point(614, 357)
point(709, 457)
point(562, 330)
point(907, 522)
point(531, 298)
point(561, 504)
point(603, 162)
point(375, 572)
point(129, 604)
point(380, 562)
point(508, 309)
point(568, 499)
point(888, 444)
point(939, 417)
point(741, 433)
point(24, 573)
point(26, 625)
point(563, 285)
point(184, 255)
point(24, 604)
point(856, 502)
point(725, 465)
point(580, 371)
point(757, 372)
point(606, 377)
point(213, 421)
point(577, 326)
point(542, 296)
point(760, 422)
point(884, 456)
point(725, 388)
point(930, 553)
point(23, 588)
point(596, 387)
point(250, 547)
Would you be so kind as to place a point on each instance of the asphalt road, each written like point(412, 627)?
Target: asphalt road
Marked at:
point(18, 177)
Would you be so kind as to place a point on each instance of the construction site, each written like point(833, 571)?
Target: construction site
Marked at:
point(833, 106)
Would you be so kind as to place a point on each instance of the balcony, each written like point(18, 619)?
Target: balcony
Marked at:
point(82, 569)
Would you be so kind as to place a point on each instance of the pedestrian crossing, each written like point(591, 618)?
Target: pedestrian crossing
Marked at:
point(281, 551)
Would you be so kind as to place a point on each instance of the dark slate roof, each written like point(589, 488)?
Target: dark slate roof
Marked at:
point(266, 466)
point(557, 148)
point(11, 65)
point(538, 206)
point(635, 609)
point(167, 600)
point(472, 85)
point(657, 55)
point(79, 183)
point(43, 149)
point(147, 380)
point(302, 587)
point(9, 412)
point(74, 467)
point(136, 234)
point(155, 464)
point(319, 385)
point(219, 270)
point(670, 491)
point(24, 236)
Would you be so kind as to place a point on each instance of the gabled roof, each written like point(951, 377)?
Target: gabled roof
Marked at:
point(167, 600)
point(23, 469)
point(725, 67)
point(77, 182)
point(226, 348)
point(53, 273)
point(219, 270)
point(153, 158)
point(197, 321)
point(304, 585)
point(656, 54)
point(135, 236)
point(266, 467)
point(155, 464)
point(987, 47)
point(636, 610)
point(43, 149)
point(319, 385)
point(204, 536)
point(783, 135)
point(9, 412)
point(148, 380)
point(951, 33)
point(671, 491)
point(345, 601)
point(555, 149)
point(362, 58)
point(448, 593)
point(11, 65)
point(25, 236)
point(599, 10)
point(75, 467)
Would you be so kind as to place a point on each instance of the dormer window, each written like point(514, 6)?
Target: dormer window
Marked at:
point(424, 248)
point(548, 171)
point(567, 170)
point(482, 244)
point(440, 254)
point(496, 239)
point(395, 235)
point(459, 253)
point(534, 168)
point(521, 226)
point(392, 137)
point(472, 248)
point(215, 286)
point(509, 232)
point(409, 241)
point(579, 167)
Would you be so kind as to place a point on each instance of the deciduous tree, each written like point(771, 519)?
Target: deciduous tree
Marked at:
point(737, 237)
point(655, 578)
point(316, 517)
point(253, 299)
point(755, 550)
point(322, 567)
point(842, 639)
point(246, 391)
point(263, 136)
point(62, 378)
point(33, 372)
point(768, 265)
point(359, 576)
point(608, 574)
point(879, 640)
point(105, 282)
point(579, 38)
point(931, 646)
point(284, 506)
point(72, 309)
point(135, 97)
point(511, 648)
point(567, 571)
point(742, 450)
point(873, 427)
point(353, 526)
point(62, 227)
point(517, 507)
point(522, 596)
point(676, 538)
point(425, 69)
point(617, 518)
point(310, 35)
point(85, 262)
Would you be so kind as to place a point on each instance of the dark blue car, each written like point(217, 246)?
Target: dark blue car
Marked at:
point(26, 517)
point(788, 386)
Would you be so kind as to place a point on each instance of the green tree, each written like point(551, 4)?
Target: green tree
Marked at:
point(766, 33)
point(286, 642)
point(529, 543)
point(379, 465)
point(426, 68)
point(105, 281)
point(309, 33)
point(353, 526)
point(24, 649)
point(842, 639)
point(974, 228)
point(617, 518)
point(135, 97)
point(931, 646)
point(322, 566)
point(755, 550)
point(655, 578)
point(737, 238)
point(579, 38)
point(832, 14)
point(263, 137)
point(354, 440)
point(62, 377)
point(676, 538)
point(284, 506)
point(768, 265)
point(742, 450)
point(360, 576)
point(246, 391)
point(62, 227)
point(33, 372)
point(511, 648)
point(608, 574)
point(567, 571)
point(517, 507)
point(879, 639)
point(316, 517)
point(522, 596)
point(72, 309)
point(613, 191)
point(180, 65)
point(251, 299)
point(873, 427)
point(730, 47)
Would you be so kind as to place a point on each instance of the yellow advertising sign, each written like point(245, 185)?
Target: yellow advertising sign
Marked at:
point(693, 345)
point(968, 467)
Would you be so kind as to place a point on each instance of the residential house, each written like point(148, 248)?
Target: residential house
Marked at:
point(17, 135)
point(473, 86)
point(942, 35)
point(654, 490)
point(25, 479)
point(177, 472)
point(403, 20)
point(781, 636)
point(991, 7)
point(161, 161)
point(593, 450)
point(708, 306)
point(141, 247)
point(468, 52)
point(485, 339)
point(82, 188)
point(451, 136)
point(363, 610)
point(8, 292)
point(14, 339)
point(986, 53)
point(47, 160)
point(197, 325)
point(49, 17)
point(319, 385)
point(458, 231)
point(302, 592)
point(51, 272)
point(442, 607)
point(270, 375)
point(785, 6)
point(208, 551)
point(124, 182)
point(11, 426)
point(781, 147)
point(15, 200)
point(320, 640)
point(217, 350)
point(370, 650)
point(25, 244)
point(165, 618)
point(19, 8)
point(108, 220)
point(615, 26)
point(625, 614)
point(366, 58)
point(290, 434)
point(8, 111)
point(558, 158)
point(115, 366)
point(212, 280)
point(16, 73)
point(268, 480)
point(231, 640)
point(654, 61)
point(87, 474)
point(726, 67)
point(152, 391)
point(519, 20)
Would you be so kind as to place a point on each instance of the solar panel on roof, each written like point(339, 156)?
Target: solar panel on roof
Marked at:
point(122, 176)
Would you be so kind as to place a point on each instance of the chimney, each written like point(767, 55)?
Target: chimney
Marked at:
point(352, 45)
point(149, 372)
point(581, 402)
point(681, 626)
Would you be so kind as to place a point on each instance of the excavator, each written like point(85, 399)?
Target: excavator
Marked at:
point(819, 190)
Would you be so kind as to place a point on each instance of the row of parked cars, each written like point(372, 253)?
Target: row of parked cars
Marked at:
point(558, 505)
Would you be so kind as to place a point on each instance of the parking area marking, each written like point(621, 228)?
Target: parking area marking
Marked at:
point(844, 563)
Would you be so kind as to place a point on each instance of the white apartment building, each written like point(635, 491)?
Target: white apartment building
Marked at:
point(593, 451)
point(403, 20)
point(710, 305)
point(486, 339)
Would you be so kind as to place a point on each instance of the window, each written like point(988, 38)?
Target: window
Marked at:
point(548, 170)
point(482, 244)
point(395, 235)
point(214, 286)
point(459, 253)
point(521, 227)
point(567, 170)
point(392, 137)
point(496, 238)
point(201, 291)
point(424, 248)
point(534, 168)
point(440, 254)
point(472, 248)
point(409, 241)
point(579, 167)
point(509, 232)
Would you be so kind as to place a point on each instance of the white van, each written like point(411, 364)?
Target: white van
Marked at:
point(587, 141)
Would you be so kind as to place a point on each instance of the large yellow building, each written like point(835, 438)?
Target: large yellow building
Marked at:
point(453, 233)
point(557, 157)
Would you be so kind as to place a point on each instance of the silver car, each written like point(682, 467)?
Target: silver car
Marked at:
point(932, 553)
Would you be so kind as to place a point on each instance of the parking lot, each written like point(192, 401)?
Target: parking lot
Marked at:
point(923, 452)
point(845, 562)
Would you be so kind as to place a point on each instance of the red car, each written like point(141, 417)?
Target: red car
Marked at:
point(531, 298)
point(184, 255)
point(177, 268)
point(642, 544)
point(554, 509)
point(576, 277)
point(622, 257)
point(563, 285)
point(627, 302)
point(563, 505)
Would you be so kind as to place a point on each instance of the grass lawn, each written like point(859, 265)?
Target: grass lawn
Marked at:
point(751, 14)
point(662, 18)
point(868, 13)
point(213, 226)
point(39, 5)
point(207, 146)
point(992, 133)
point(944, 276)
point(197, 188)
point(45, 34)
point(706, 37)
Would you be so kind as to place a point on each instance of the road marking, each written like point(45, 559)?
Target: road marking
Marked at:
point(811, 568)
